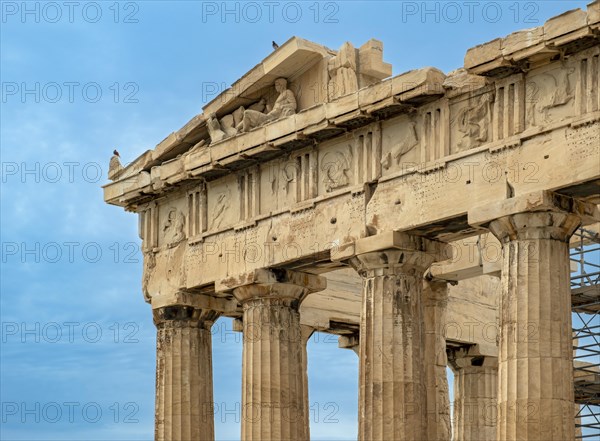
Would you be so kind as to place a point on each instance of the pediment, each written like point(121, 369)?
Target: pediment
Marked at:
point(292, 59)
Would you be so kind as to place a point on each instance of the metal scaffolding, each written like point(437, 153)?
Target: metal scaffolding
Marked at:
point(585, 295)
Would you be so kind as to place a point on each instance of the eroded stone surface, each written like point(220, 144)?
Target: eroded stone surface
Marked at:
point(435, 303)
point(475, 396)
point(392, 386)
point(535, 388)
point(274, 379)
point(184, 387)
point(316, 161)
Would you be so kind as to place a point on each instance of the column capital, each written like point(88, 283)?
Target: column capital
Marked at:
point(537, 215)
point(435, 290)
point(273, 283)
point(195, 301)
point(465, 358)
point(396, 251)
point(350, 341)
point(184, 316)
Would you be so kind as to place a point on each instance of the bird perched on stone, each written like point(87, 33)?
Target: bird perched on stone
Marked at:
point(114, 167)
point(275, 45)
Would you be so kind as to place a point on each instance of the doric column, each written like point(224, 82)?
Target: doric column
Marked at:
point(535, 394)
point(392, 393)
point(273, 378)
point(435, 301)
point(475, 396)
point(578, 428)
point(306, 332)
point(184, 386)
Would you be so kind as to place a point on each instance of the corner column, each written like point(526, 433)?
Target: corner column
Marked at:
point(392, 390)
point(184, 386)
point(273, 380)
point(306, 332)
point(475, 396)
point(535, 394)
point(435, 299)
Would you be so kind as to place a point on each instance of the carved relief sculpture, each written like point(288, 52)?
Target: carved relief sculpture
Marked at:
point(214, 128)
point(409, 141)
point(220, 208)
point(228, 125)
point(550, 90)
point(149, 265)
point(335, 167)
point(473, 122)
point(289, 172)
point(342, 72)
point(241, 230)
point(173, 229)
point(285, 105)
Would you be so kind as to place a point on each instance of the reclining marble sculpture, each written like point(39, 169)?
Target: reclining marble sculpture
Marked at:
point(350, 206)
point(285, 105)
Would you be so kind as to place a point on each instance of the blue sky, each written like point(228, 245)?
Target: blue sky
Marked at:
point(79, 79)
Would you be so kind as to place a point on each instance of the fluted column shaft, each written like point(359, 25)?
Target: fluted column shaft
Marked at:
point(475, 400)
point(272, 382)
point(184, 386)
point(273, 369)
point(435, 298)
point(392, 393)
point(535, 395)
point(578, 428)
point(307, 332)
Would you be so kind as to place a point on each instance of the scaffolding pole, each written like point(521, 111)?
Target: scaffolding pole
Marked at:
point(585, 295)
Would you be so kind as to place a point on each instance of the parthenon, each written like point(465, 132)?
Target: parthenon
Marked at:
point(425, 218)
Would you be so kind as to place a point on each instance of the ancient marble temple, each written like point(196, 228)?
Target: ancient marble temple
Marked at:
point(423, 218)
